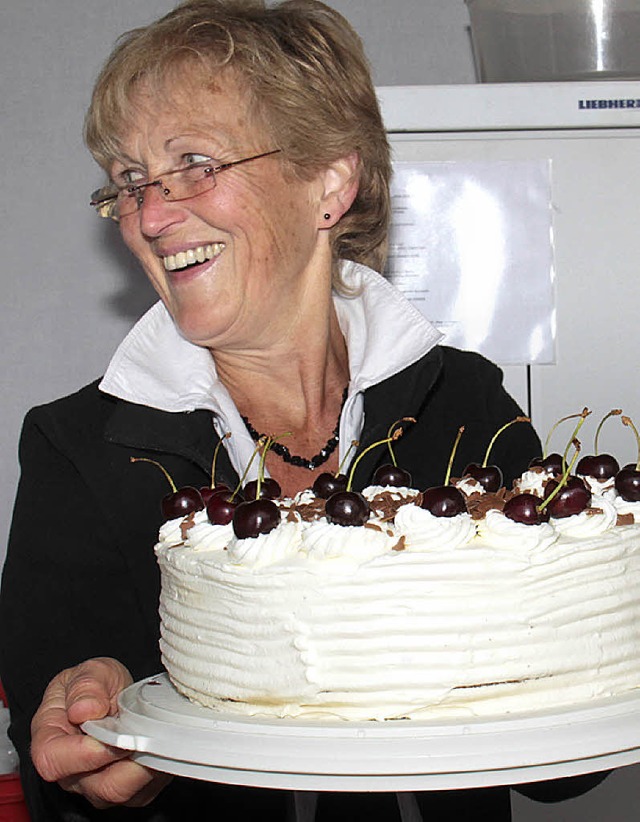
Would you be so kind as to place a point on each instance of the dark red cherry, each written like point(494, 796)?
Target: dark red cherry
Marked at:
point(269, 489)
point(207, 491)
point(181, 502)
point(525, 508)
point(489, 476)
point(552, 462)
point(598, 466)
point(627, 483)
point(393, 475)
point(347, 508)
point(572, 498)
point(444, 501)
point(255, 517)
point(327, 484)
point(221, 506)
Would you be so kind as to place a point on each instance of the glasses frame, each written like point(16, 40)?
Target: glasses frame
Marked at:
point(104, 199)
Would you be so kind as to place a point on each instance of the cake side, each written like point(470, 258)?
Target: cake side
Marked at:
point(414, 617)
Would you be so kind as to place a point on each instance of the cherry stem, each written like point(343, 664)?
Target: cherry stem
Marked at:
point(615, 412)
point(259, 445)
point(389, 435)
point(157, 464)
point(267, 445)
point(583, 413)
point(215, 457)
point(583, 416)
point(453, 454)
point(497, 434)
point(354, 444)
point(629, 422)
point(563, 480)
point(394, 436)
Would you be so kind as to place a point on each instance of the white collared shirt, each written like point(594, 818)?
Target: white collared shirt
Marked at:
point(157, 367)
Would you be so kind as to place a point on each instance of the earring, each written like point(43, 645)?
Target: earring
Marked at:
point(327, 216)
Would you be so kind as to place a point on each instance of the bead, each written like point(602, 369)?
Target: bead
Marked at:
point(301, 462)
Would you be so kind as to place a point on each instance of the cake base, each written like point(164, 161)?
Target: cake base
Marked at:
point(169, 733)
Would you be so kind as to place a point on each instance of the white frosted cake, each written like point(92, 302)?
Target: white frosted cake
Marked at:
point(410, 615)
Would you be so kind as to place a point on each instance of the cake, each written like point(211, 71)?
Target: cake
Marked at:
point(410, 615)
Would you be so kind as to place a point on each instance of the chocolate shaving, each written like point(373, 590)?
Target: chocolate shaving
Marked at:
point(400, 545)
point(386, 506)
point(591, 512)
point(306, 511)
point(479, 505)
point(186, 524)
point(373, 526)
point(625, 519)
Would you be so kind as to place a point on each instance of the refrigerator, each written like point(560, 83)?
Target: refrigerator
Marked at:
point(585, 140)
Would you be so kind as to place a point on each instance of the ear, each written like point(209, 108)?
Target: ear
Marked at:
point(340, 186)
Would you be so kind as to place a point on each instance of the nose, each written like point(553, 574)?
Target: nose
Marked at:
point(156, 213)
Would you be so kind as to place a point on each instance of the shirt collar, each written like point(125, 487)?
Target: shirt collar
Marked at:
point(156, 366)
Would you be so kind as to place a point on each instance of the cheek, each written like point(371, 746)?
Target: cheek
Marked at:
point(151, 265)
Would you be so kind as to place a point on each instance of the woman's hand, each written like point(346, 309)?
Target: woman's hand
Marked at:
point(62, 753)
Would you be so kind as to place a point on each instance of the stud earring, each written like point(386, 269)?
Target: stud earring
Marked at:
point(327, 216)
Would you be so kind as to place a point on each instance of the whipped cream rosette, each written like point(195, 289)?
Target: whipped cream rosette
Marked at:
point(422, 531)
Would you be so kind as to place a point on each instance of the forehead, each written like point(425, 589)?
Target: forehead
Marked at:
point(217, 108)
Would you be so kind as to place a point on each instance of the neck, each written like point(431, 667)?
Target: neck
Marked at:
point(294, 379)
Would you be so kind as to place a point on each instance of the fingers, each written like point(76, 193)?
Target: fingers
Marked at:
point(62, 753)
point(121, 783)
point(92, 688)
point(88, 691)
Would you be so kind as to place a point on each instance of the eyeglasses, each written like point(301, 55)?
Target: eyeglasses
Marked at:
point(191, 181)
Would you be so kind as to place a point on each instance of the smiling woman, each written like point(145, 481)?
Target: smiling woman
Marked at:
point(249, 173)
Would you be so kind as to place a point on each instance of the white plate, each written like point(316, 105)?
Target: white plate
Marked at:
point(169, 733)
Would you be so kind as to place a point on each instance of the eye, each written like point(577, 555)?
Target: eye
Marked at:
point(128, 177)
point(193, 159)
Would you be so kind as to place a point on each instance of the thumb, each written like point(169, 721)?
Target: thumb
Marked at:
point(92, 688)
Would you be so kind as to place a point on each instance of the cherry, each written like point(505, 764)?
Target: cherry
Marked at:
point(489, 476)
point(206, 491)
point(347, 508)
point(327, 484)
point(255, 517)
point(627, 480)
point(552, 463)
point(444, 501)
point(598, 466)
point(627, 483)
point(555, 463)
point(269, 489)
point(525, 508)
point(572, 498)
point(181, 502)
point(221, 506)
point(389, 474)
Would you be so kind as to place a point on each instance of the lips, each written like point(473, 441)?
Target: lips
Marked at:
point(191, 256)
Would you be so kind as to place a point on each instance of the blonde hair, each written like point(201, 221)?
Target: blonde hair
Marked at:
point(309, 82)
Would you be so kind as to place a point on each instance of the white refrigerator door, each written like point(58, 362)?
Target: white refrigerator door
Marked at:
point(595, 192)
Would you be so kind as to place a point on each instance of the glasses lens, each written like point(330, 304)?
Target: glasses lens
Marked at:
point(181, 184)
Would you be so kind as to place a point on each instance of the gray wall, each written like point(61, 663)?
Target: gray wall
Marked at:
point(71, 291)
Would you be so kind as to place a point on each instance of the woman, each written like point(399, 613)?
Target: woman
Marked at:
point(249, 174)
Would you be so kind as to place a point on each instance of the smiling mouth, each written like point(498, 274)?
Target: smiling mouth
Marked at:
point(192, 256)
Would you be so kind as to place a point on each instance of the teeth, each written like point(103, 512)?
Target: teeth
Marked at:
point(174, 262)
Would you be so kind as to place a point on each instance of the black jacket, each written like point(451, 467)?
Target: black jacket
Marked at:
point(80, 578)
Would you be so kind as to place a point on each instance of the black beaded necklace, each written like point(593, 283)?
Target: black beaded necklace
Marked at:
point(302, 462)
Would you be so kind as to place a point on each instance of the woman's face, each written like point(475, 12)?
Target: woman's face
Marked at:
point(261, 232)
